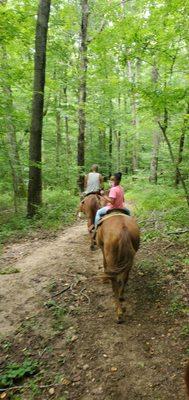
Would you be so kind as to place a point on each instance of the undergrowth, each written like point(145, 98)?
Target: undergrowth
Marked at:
point(161, 202)
point(58, 209)
point(157, 202)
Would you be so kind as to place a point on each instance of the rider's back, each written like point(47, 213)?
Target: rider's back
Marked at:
point(93, 182)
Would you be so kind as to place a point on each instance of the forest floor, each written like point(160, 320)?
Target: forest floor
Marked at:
point(71, 339)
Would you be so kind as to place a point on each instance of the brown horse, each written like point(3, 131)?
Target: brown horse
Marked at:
point(118, 236)
point(187, 378)
point(89, 207)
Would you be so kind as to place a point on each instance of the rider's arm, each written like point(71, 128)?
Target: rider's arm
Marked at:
point(109, 199)
point(112, 196)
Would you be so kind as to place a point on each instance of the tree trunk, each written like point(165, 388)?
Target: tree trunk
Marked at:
point(110, 140)
point(134, 121)
point(35, 156)
point(13, 154)
point(181, 147)
point(154, 159)
point(58, 134)
point(11, 140)
point(156, 140)
point(118, 138)
point(82, 94)
point(67, 131)
point(110, 149)
point(164, 131)
point(102, 149)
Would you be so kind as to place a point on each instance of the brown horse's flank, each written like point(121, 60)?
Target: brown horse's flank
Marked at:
point(187, 378)
point(118, 238)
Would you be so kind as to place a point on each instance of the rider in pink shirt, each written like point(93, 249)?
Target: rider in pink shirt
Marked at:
point(115, 198)
point(117, 194)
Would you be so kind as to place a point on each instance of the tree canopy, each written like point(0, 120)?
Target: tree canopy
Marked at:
point(136, 86)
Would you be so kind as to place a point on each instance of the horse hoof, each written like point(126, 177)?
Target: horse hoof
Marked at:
point(119, 321)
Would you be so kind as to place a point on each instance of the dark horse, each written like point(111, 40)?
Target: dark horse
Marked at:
point(118, 237)
point(89, 207)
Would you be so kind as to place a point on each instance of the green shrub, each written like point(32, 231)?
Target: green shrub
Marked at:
point(15, 372)
point(162, 201)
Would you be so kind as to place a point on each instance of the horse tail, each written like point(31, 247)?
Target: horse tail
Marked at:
point(120, 258)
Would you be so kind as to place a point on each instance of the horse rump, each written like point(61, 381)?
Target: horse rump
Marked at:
point(118, 238)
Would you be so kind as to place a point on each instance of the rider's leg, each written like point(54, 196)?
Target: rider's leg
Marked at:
point(102, 211)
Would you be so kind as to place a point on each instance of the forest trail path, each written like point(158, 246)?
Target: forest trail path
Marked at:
point(74, 333)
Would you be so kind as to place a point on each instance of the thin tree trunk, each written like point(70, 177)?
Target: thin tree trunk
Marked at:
point(11, 140)
point(164, 131)
point(134, 122)
point(156, 139)
point(102, 147)
point(16, 168)
point(67, 131)
point(154, 159)
point(82, 94)
point(118, 138)
point(58, 134)
point(181, 147)
point(35, 153)
point(110, 149)
point(110, 140)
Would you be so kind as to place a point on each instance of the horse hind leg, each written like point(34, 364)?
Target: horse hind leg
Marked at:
point(91, 234)
point(118, 304)
point(105, 278)
point(92, 246)
point(122, 280)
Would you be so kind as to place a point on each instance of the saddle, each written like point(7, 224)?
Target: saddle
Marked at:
point(118, 210)
point(88, 194)
point(113, 212)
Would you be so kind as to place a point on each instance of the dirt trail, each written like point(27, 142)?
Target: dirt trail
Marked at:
point(85, 350)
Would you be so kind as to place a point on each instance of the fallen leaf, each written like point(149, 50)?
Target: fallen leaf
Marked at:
point(85, 367)
point(77, 378)
point(65, 381)
point(51, 391)
point(74, 338)
point(113, 369)
point(3, 395)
